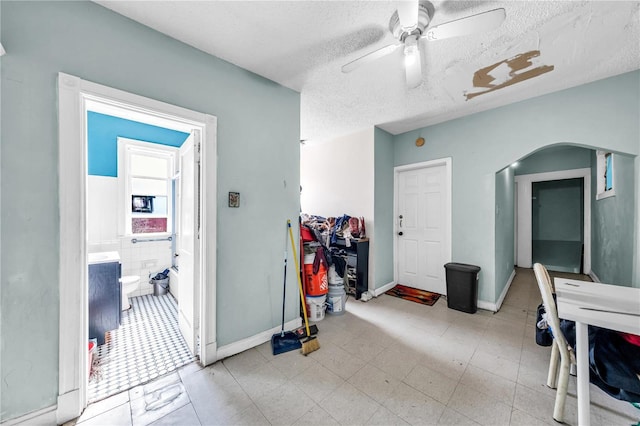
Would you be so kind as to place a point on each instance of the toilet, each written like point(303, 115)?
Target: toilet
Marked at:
point(130, 284)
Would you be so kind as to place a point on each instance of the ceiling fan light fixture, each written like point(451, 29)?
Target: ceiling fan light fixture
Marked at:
point(411, 52)
point(412, 62)
point(409, 31)
point(410, 55)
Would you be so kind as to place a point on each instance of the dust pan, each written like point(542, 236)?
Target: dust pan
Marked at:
point(284, 341)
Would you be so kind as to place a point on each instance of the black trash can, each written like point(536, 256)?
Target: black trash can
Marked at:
point(462, 287)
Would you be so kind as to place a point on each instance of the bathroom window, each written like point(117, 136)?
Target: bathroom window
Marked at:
point(145, 173)
point(604, 175)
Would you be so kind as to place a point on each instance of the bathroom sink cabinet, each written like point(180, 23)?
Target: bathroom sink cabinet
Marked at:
point(104, 299)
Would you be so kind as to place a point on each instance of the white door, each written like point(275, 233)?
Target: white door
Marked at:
point(187, 239)
point(422, 227)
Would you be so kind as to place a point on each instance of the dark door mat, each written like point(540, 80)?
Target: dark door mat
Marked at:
point(413, 294)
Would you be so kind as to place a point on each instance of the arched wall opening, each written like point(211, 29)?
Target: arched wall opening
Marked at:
point(548, 211)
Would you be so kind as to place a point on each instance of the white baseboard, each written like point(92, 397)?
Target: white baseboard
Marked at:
point(45, 416)
point(211, 352)
point(594, 277)
point(380, 290)
point(68, 406)
point(487, 306)
point(505, 290)
point(253, 341)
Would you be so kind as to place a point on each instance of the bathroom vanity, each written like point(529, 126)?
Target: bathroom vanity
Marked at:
point(104, 294)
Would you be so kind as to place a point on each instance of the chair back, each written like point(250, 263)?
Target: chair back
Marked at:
point(546, 290)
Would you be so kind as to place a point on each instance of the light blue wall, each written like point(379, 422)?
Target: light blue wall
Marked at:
point(636, 247)
point(258, 155)
point(102, 140)
point(600, 114)
point(505, 225)
point(383, 212)
point(562, 157)
point(612, 224)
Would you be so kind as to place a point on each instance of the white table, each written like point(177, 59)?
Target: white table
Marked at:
point(587, 303)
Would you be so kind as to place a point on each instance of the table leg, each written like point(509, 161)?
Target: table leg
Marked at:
point(582, 355)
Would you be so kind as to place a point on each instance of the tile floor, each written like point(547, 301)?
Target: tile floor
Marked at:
point(388, 362)
point(147, 345)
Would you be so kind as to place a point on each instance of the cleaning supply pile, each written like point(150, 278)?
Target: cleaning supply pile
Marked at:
point(320, 236)
point(327, 230)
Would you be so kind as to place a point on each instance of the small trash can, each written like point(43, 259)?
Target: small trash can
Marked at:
point(160, 284)
point(462, 287)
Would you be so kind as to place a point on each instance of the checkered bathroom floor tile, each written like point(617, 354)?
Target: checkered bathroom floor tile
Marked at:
point(147, 345)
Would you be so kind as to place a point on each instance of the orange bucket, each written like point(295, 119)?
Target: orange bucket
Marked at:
point(315, 284)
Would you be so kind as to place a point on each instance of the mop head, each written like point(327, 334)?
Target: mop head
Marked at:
point(310, 345)
point(284, 342)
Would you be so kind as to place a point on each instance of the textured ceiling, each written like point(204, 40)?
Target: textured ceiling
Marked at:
point(303, 45)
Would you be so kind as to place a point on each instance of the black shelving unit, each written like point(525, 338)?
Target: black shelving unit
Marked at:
point(358, 258)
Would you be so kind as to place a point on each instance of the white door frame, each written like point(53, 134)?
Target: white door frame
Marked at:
point(524, 215)
point(74, 95)
point(396, 224)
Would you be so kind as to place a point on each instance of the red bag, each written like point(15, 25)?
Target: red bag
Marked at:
point(631, 338)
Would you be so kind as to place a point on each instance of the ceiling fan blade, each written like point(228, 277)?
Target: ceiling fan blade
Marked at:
point(413, 68)
point(485, 21)
point(408, 13)
point(369, 57)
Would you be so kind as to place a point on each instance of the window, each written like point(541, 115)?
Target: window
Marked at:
point(145, 172)
point(604, 175)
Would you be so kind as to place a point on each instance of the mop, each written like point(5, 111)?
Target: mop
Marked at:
point(311, 343)
point(284, 341)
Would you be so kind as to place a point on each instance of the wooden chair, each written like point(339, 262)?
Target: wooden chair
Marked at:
point(558, 377)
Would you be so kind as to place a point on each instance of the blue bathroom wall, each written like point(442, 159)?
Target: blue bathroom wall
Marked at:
point(102, 135)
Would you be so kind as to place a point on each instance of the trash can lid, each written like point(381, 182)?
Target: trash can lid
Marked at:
point(462, 267)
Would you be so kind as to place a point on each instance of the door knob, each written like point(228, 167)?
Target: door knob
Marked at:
point(400, 233)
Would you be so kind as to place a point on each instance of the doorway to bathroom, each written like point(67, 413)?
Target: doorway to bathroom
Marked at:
point(162, 204)
point(141, 212)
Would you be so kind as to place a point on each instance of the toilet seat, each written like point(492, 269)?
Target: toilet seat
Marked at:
point(130, 279)
point(129, 284)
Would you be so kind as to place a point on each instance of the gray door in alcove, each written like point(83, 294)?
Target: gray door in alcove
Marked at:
point(557, 228)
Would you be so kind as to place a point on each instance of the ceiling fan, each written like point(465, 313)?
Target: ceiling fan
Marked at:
point(410, 24)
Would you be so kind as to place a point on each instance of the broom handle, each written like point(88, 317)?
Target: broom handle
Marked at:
point(284, 291)
point(295, 260)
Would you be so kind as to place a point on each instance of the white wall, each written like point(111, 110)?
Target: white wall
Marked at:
point(140, 259)
point(337, 177)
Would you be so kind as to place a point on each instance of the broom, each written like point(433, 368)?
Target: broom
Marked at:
point(311, 344)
